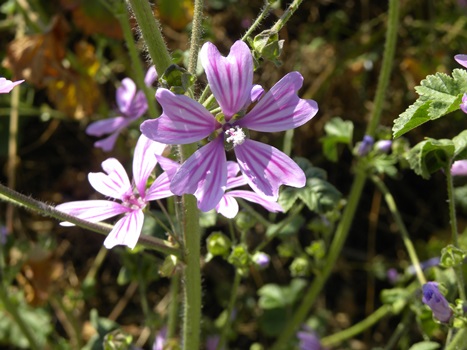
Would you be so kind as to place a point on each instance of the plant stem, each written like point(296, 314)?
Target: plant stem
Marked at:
point(262, 15)
point(400, 223)
point(459, 339)
point(18, 199)
point(172, 320)
point(196, 32)
point(150, 29)
point(357, 328)
point(286, 16)
point(122, 17)
point(454, 230)
point(355, 192)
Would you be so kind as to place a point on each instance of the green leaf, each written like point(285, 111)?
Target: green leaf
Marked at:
point(460, 196)
point(425, 345)
point(337, 131)
point(452, 256)
point(440, 94)
point(272, 296)
point(430, 155)
point(460, 144)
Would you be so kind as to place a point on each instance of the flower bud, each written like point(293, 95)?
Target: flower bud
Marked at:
point(365, 146)
point(218, 244)
point(436, 302)
point(383, 146)
point(459, 168)
point(261, 260)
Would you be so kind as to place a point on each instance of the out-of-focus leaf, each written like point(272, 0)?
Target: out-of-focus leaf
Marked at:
point(273, 296)
point(430, 155)
point(460, 196)
point(338, 131)
point(290, 228)
point(425, 345)
point(460, 144)
point(440, 94)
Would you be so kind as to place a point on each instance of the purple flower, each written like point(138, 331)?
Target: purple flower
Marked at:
point(436, 302)
point(227, 205)
point(261, 259)
point(116, 184)
point(131, 103)
point(7, 85)
point(461, 59)
point(231, 81)
point(459, 168)
point(308, 340)
point(463, 104)
point(160, 340)
point(365, 146)
point(383, 146)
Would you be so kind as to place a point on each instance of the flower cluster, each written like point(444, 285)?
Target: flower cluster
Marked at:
point(206, 174)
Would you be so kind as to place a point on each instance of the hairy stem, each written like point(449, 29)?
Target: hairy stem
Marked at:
point(18, 199)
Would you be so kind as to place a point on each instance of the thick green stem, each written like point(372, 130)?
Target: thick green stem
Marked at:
point(18, 199)
point(400, 223)
point(454, 230)
point(233, 298)
point(172, 319)
point(356, 190)
point(152, 36)
point(196, 32)
point(286, 16)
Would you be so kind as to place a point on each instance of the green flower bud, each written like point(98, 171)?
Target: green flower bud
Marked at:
point(218, 244)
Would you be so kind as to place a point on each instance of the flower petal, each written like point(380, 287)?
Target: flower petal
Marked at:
point(168, 165)
point(459, 168)
point(107, 126)
point(227, 206)
point(204, 174)
point(230, 78)
point(256, 198)
point(151, 76)
point(108, 143)
point(138, 106)
point(7, 85)
point(126, 231)
point(280, 109)
point(125, 94)
point(113, 184)
point(183, 120)
point(91, 210)
point(461, 59)
point(159, 188)
point(144, 161)
point(266, 168)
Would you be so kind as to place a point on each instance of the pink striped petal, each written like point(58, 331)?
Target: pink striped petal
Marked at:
point(159, 188)
point(230, 78)
point(168, 165)
point(107, 126)
point(183, 120)
point(125, 94)
point(461, 59)
point(91, 210)
point(151, 76)
point(144, 161)
point(256, 198)
point(280, 109)
point(232, 179)
point(108, 143)
point(126, 231)
point(113, 184)
point(227, 206)
point(204, 174)
point(266, 168)
point(7, 85)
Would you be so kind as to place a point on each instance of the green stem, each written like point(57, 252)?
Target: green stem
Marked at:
point(196, 32)
point(172, 320)
point(13, 311)
point(356, 328)
point(454, 229)
point(233, 298)
point(459, 339)
point(18, 199)
point(150, 29)
point(263, 14)
point(355, 192)
point(286, 16)
point(139, 71)
point(400, 223)
point(388, 59)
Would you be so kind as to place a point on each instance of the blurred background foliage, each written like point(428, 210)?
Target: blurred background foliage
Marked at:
point(72, 55)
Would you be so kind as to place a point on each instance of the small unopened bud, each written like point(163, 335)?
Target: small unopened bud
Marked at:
point(261, 259)
point(365, 146)
point(436, 302)
point(383, 146)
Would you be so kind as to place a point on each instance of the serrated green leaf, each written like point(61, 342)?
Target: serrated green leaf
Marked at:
point(430, 156)
point(460, 144)
point(337, 131)
point(440, 94)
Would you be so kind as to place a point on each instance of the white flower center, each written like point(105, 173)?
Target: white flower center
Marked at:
point(236, 136)
point(133, 202)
